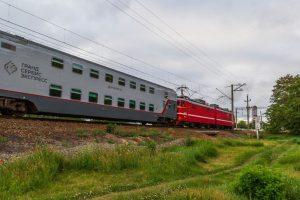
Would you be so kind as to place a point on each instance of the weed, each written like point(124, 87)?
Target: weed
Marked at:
point(151, 145)
point(66, 143)
point(111, 128)
point(3, 139)
point(150, 133)
point(110, 141)
point(167, 137)
point(82, 133)
point(189, 141)
point(99, 132)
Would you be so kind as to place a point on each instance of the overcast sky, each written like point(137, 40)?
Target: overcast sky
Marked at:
point(233, 41)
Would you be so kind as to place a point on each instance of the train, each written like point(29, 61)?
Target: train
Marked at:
point(38, 79)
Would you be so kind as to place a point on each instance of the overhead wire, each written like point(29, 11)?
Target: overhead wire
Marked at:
point(96, 42)
point(184, 38)
point(70, 45)
point(121, 53)
point(214, 71)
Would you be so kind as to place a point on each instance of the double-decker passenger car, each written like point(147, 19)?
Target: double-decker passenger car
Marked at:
point(198, 114)
point(38, 79)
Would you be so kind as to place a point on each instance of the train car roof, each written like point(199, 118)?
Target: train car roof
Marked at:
point(9, 35)
point(207, 106)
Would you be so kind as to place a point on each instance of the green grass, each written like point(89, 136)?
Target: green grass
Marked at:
point(291, 158)
point(196, 170)
point(30, 173)
point(82, 133)
point(3, 139)
point(245, 156)
point(238, 143)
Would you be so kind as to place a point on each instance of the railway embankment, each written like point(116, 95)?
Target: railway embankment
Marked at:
point(22, 135)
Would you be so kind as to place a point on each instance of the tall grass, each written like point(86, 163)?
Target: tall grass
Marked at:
point(290, 158)
point(245, 156)
point(106, 160)
point(31, 172)
point(238, 143)
point(40, 168)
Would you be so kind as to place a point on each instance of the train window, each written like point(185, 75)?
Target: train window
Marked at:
point(132, 85)
point(94, 73)
point(151, 107)
point(93, 97)
point(121, 102)
point(75, 94)
point(151, 90)
point(143, 88)
point(57, 62)
point(5, 45)
point(132, 104)
point(121, 81)
point(166, 95)
point(142, 106)
point(108, 100)
point(77, 68)
point(109, 78)
point(55, 90)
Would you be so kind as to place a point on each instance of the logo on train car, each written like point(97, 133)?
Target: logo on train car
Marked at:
point(10, 68)
point(32, 73)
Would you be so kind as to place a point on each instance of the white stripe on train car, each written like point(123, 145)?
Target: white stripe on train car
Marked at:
point(200, 116)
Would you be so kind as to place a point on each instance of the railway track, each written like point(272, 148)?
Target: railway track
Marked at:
point(105, 122)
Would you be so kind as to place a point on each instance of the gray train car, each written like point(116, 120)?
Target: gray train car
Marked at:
point(38, 79)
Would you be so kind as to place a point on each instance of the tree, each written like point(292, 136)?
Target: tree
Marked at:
point(242, 124)
point(284, 112)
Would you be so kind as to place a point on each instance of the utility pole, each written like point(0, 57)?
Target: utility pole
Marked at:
point(232, 102)
point(248, 110)
point(236, 117)
point(234, 88)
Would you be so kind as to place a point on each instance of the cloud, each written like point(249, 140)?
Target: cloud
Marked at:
point(253, 41)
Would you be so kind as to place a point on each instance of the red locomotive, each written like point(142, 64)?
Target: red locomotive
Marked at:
point(198, 113)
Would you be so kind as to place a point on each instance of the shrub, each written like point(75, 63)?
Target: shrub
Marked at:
point(258, 182)
point(111, 128)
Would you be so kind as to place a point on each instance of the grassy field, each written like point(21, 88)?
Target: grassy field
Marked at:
point(198, 170)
